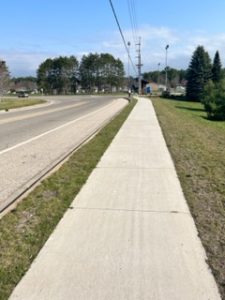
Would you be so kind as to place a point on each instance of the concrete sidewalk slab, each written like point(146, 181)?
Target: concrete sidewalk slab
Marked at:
point(129, 233)
point(141, 188)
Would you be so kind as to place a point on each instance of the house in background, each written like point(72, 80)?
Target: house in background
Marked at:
point(23, 84)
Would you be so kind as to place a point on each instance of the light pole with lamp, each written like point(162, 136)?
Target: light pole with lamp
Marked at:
point(167, 46)
point(158, 73)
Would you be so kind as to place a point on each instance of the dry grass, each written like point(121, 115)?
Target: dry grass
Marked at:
point(6, 104)
point(197, 146)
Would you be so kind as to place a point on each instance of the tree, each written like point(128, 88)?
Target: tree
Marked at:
point(4, 77)
point(152, 76)
point(214, 100)
point(58, 75)
point(112, 71)
point(44, 75)
point(217, 68)
point(198, 73)
point(28, 83)
point(101, 71)
point(90, 71)
point(175, 77)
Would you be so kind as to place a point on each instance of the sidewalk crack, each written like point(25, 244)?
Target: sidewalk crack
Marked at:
point(130, 210)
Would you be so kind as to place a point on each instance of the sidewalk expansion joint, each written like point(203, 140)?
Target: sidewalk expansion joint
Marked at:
point(130, 210)
point(135, 168)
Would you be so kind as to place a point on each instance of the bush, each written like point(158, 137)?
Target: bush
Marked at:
point(214, 100)
point(166, 94)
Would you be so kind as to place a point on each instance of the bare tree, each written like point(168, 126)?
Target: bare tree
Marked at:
point(4, 78)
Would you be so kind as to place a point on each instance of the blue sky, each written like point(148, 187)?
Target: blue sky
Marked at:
point(34, 30)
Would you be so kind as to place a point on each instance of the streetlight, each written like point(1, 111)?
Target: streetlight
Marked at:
point(167, 46)
point(158, 74)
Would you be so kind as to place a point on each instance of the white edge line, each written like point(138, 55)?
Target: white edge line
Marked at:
point(54, 129)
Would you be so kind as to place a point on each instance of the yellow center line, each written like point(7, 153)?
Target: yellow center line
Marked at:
point(32, 115)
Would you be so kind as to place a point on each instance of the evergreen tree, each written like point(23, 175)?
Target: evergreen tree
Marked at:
point(217, 68)
point(101, 71)
point(58, 75)
point(198, 74)
point(214, 100)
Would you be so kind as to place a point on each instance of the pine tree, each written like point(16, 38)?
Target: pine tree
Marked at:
point(217, 68)
point(198, 74)
point(214, 100)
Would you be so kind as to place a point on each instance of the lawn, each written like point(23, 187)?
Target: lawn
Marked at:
point(9, 103)
point(197, 146)
point(24, 230)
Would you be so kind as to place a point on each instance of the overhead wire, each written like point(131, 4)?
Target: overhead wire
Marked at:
point(133, 19)
point(137, 40)
point(121, 33)
point(135, 14)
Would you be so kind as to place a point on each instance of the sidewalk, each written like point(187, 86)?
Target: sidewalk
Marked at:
point(129, 233)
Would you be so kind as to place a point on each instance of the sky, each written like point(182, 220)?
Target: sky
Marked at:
point(34, 30)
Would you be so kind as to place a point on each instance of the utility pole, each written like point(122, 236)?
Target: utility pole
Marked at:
point(166, 79)
point(139, 65)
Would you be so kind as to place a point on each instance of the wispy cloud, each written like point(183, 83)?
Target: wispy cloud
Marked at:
point(23, 63)
point(153, 39)
point(182, 44)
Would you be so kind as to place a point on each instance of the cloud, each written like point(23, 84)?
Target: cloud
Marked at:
point(154, 39)
point(24, 62)
point(153, 42)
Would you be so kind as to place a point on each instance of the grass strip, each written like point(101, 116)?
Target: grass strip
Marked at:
point(24, 230)
point(197, 147)
point(6, 104)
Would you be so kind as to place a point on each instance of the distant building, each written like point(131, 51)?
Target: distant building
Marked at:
point(134, 85)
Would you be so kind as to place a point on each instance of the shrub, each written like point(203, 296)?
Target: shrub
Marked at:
point(214, 100)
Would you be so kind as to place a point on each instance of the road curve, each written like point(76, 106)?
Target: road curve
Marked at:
point(27, 157)
point(20, 125)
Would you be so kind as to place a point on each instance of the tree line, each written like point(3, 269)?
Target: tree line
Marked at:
point(204, 79)
point(64, 75)
point(175, 77)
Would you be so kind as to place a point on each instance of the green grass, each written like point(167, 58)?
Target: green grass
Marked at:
point(6, 104)
point(197, 146)
point(24, 230)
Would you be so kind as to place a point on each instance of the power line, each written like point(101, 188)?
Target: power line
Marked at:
point(132, 21)
point(137, 41)
point(121, 33)
point(133, 17)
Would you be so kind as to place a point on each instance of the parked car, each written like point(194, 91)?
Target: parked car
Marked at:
point(23, 95)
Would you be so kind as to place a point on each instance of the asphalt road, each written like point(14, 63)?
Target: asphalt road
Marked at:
point(17, 126)
point(35, 140)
